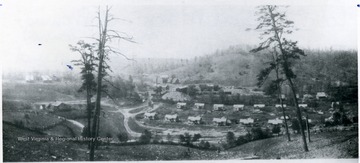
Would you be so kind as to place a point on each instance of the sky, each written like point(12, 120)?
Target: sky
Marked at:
point(162, 29)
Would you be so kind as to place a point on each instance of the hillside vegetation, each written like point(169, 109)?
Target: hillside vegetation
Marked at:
point(237, 66)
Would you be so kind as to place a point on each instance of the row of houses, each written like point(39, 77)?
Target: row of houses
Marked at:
point(237, 107)
point(218, 121)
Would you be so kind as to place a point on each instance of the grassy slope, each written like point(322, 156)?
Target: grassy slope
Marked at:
point(324, 145)
point(342, 144)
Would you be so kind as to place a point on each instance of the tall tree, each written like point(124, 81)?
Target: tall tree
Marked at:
point(106, 35)
point(274, 26)
point(87, 64)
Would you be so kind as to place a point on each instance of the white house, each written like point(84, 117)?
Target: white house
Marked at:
point(282, 96)
point(259, 105)
point(29, 78)
point(46, 79)
point(220, 121)
point(303, 105)
point(287, 117)
point(279, 105)
point(180, 105)
point(171, 118)
point(150, 116)
point(321, 95)
point(247, 121)
point(199, 105)
point(275, 121)
point(195, 120)
point(219, 107)
point(238, 107)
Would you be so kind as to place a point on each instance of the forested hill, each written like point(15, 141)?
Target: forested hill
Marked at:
point(236, 66)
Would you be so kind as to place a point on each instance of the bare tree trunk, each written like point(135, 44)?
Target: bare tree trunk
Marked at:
point(307, 126)
point(281, 101)
point(97, 132)
point(89, 106)
point(298, 115)
point(102, 40)
point(285, 120)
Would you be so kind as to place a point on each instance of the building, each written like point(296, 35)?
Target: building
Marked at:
point(276, 121)
point(59, 106)
point(321, 95)
point(171, 118)
point(220, 121)
point(150, 116)
point(199, 105)
point(259, 105)
point(247, 121)
point(307, 97)
point(238, 107)
point(181, 105)
point(29, 78)
point(287, 117)
point(164, 78)
point(46, 79)
point(219, 107)
point(279, 105)
point(303, 105)
point(195, 120)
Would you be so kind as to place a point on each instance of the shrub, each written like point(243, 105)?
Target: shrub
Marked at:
point(145, 137)
point(196, 137)
point(258, 133)
point(169, 137)
point(276, 129)
point(186, 138)
point(123, 137)
point(230, 139)
point(85, 132)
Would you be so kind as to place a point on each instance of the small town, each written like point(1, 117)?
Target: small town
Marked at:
point(265, 98)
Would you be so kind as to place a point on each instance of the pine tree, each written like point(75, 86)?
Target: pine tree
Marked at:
point(87, 64)
point(274, 26)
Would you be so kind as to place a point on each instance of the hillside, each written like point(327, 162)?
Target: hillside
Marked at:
point(339, 144)
point(342, 144)
point(236, 66)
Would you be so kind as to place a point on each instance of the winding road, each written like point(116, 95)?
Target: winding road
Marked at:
point(125, 111)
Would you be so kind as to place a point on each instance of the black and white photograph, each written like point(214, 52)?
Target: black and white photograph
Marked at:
point(179, 80)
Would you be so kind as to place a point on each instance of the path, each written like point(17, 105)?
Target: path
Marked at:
point(122, 110)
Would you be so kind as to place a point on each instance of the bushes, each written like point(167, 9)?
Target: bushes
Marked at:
point(145, 137)
point(196, 137)
point(186, 138)
point(230, 139)
point(258, 133)
point(123, 137)
point(276, 129)
point(204, 145)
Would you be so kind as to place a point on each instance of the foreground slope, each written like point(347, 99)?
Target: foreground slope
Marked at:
point(339, 144)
